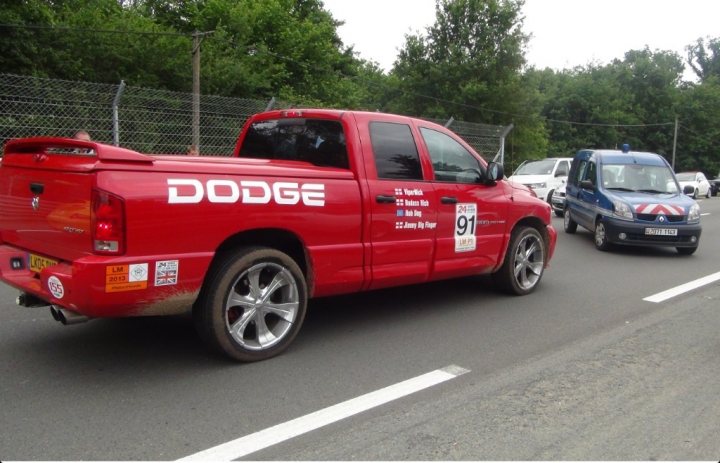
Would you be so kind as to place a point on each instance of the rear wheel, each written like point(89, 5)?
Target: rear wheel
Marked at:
point(695, 194)
point(601, 238)
point(524, 262)
point(569, 224)
point(252, 305)
point(709, 193)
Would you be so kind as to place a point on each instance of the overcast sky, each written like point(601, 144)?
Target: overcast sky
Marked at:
point(565, 33)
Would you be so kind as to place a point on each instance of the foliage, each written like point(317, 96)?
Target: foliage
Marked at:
point(469, 65)
point(704, 59)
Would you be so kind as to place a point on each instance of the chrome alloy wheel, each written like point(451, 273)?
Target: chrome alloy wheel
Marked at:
point(262, 306)
point(528, 262)
point(600, 235)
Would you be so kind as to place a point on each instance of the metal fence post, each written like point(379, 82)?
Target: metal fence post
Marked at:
point(116, 119)
point(500, 156)
point(271, 104)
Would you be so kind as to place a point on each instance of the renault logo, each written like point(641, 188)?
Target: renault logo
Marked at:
point(36, 203)
point(661, 219)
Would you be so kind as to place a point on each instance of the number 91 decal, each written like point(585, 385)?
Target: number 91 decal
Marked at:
point(465, 223)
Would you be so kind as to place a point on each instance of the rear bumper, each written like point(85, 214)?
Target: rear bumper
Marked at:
point(633, 234)
point(97, 286)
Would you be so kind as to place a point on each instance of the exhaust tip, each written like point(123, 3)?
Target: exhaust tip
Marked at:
point(67, 317)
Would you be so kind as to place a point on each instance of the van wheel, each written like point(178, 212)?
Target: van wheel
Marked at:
point(569, 224)
point(686, 251)
point(708, 194)
point(695, 194)
point(524, 262)
point(601, 239)
point(252, 304)
point(549, 196)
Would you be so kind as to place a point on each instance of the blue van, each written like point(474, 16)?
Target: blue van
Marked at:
point(630, 198)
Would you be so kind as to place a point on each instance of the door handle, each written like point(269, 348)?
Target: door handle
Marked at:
point(385, 199)
point(448, 200)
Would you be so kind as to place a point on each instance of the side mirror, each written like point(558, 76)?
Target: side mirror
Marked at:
point(688, 190)
point(494, 172)
point(587, 185)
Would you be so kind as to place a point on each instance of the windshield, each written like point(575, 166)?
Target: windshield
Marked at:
point(544, 167)
point(686, 177)
point(638, 177)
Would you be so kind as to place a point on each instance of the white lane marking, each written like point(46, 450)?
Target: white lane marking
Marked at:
point(704, 214)
point(279, 433)
point(676, 291)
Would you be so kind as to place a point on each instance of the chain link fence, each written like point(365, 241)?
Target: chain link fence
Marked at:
point(153, 121)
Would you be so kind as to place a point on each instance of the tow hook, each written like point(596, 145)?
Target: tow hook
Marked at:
point(28, 300)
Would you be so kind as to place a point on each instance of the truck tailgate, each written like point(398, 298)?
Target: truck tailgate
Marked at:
point(45, 194)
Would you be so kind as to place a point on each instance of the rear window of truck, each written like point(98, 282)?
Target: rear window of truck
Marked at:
point(317, 141)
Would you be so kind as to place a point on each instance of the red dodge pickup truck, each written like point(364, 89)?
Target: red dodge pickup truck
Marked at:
point(312, 203)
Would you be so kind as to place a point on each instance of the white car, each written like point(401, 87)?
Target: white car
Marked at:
point(700, 184)
point(543, 176)
point(558, 201)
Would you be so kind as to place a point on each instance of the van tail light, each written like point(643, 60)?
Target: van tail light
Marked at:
point(108, 223)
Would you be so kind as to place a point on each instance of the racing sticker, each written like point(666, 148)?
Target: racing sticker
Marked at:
point(56, 287)
point(129, 277)
point(410, 206)
point(465, 221)
point(166, 272)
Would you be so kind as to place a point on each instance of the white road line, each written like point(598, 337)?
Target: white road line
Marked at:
point(704, 214)
point(676, 291)
point(279, 433)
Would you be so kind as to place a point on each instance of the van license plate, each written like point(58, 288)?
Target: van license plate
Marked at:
point(661, 231)
point(38, 263)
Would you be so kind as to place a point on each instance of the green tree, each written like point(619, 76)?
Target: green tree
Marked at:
point(704, 58)
point(699, 114)
point(468, 65)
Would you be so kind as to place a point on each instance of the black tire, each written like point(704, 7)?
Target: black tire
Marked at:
point(686, 251)
point(708, 194)
point(549, 196)
point(252, 304)
point(569, 225)
point(524, 262)
point(601, 239)
point(695, 194)
point(558, 213)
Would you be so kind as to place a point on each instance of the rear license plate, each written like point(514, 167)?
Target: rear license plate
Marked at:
point(38, 263)
point(661, 231)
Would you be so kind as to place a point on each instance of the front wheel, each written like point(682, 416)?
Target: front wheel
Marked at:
point(549, 196)
point(524, 262)
point(601, 238)
point(252, 304)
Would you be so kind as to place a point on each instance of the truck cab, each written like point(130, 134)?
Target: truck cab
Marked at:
point(630, 198)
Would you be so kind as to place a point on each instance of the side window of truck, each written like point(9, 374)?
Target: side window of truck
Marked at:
point(317, 141)
point(451, 161)
point(396, 156)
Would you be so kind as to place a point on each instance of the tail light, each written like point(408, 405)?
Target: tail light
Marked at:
point(108, 223)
